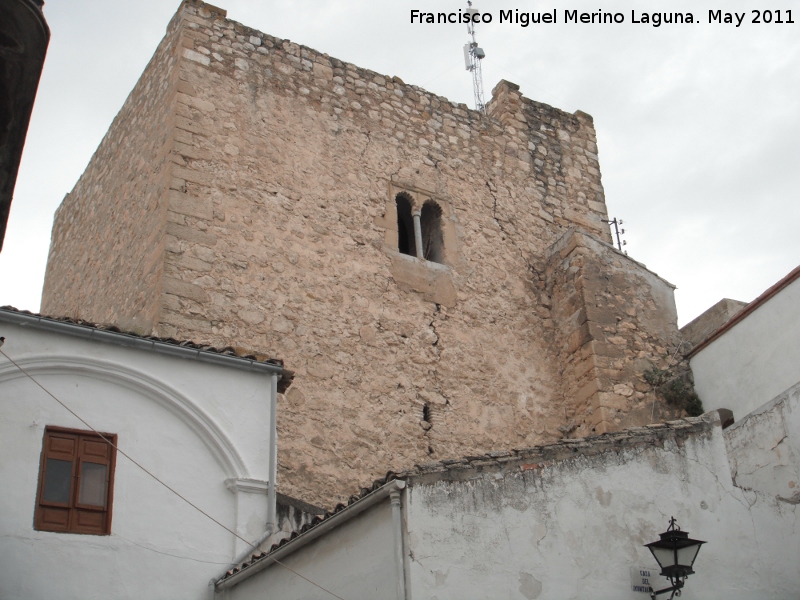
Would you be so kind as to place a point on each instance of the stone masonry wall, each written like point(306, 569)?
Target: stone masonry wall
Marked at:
point(697, 330)
point(282, 238)
point(107, 245)
point(613, 320)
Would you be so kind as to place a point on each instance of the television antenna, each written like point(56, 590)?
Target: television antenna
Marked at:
point(473, 54)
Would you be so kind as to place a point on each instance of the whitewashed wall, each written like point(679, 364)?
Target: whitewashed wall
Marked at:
point(354, 561)
point(754, 361)
point(576, 529)
point(764, 448)
point(571, 528)
point(198, 427)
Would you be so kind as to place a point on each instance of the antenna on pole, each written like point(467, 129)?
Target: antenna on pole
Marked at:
point(472, 59)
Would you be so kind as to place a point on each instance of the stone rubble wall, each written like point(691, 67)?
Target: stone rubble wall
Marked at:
point(292, 152)
point(107, 247)
point(278, 239)
point(712, 319)
point(614, 320)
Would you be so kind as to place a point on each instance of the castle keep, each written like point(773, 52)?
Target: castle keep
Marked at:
point(440, 281)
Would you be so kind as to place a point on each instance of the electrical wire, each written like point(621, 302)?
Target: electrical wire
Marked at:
point(194, 506)
point(288, 568)
point(208, 562)
point(110, 443)
point(447, 70)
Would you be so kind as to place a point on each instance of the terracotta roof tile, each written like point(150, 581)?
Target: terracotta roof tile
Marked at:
point(287, 376)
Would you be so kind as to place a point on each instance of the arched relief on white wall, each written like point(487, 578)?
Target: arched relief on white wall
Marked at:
point(200, 422)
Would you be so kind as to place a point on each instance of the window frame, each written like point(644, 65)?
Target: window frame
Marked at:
point(434, 280)
point(74, 509)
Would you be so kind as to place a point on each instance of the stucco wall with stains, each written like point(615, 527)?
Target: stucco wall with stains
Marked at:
point(562, 521)
point(754, 360)
point(575, 528)
point(764, 448)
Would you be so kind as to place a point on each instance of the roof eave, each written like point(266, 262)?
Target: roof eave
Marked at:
point(141, 343)
point(26, 36)
point(301, 540)
point(747, 311)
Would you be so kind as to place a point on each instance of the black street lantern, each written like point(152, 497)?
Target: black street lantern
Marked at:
point(675, 553)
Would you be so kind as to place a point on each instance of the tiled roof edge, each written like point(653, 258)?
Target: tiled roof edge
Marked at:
point(527, 458)
point(550, 454)
point(318, 526)
point(114, 335)
point(747, 310)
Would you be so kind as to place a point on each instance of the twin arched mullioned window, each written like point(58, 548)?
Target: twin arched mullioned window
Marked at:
point(419, 232)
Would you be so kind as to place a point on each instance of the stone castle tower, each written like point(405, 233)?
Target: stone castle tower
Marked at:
point(441, 282)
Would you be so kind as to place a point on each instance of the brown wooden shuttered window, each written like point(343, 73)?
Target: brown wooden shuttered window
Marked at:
point(76, 481)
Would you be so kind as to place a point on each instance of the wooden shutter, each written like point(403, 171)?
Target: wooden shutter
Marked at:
point(76, 478)
point(53, 507)
point(91, 500)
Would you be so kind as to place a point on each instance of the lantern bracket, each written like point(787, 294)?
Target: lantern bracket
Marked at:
point(675, 553)
point(675, 588)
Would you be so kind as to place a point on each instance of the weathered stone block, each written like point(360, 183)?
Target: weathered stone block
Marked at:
point(183, 289)
point(192, 206)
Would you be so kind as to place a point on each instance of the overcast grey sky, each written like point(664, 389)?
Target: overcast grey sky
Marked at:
point(698, 125)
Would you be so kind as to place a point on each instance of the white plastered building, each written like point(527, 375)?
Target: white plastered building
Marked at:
point(752, 357)
point(567, 520)
point(570, 520)
point(198, 419)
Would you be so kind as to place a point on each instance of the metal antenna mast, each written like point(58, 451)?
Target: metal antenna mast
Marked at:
point(472, 59)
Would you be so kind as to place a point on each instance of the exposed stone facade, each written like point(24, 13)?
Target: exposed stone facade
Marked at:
point(107, 250)
point(613, 320)
point(246, 195)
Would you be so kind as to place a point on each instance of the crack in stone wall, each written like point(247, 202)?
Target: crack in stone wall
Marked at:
point(276, 162)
